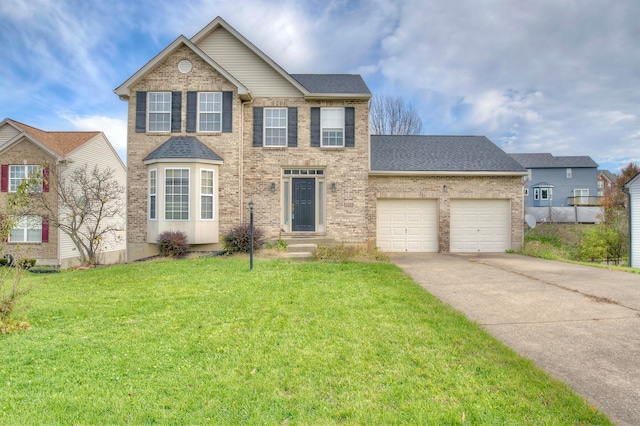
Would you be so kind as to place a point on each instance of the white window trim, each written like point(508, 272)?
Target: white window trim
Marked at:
point(188, 195)
point(24, 221)
point(153, 192)
point(322, 128)
point(212, 195)
point(25, 170)
point(219, 130)
point(569, 173)
point(576, 190)
point(548, 197)
point(265, 127)
point(149, 112)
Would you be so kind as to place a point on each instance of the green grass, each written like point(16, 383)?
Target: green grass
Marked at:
point(204, 341)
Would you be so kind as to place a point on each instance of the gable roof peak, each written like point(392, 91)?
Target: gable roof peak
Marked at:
point(60, 143)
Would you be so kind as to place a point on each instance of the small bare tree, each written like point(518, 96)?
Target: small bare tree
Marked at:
point(87, 205)
point(391, 115)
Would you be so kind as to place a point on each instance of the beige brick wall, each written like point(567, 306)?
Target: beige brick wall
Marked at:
point(346, 167)
point(25, 152)
point(255, 167)
point(458, 187)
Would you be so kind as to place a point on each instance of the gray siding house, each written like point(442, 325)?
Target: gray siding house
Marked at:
point(559, 181)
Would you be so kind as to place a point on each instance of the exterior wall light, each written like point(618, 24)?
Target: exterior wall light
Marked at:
point(273, 187)
point(444, 188)
point(333, 187)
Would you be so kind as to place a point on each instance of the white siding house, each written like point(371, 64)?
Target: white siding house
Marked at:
point(633, 186)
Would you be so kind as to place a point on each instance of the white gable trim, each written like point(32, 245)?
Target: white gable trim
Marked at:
point(219, 22)
point(124, 92)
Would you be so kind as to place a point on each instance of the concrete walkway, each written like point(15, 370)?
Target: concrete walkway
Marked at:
point(579, 324)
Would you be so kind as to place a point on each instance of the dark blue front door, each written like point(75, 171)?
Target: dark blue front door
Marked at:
point(304, 206)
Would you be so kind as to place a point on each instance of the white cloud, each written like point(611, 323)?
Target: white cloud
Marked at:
point(114, 128)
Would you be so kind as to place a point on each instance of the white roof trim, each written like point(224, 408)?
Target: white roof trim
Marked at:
point(219, 22)
point(444, 173)
point(123, 89)
point(633, 180)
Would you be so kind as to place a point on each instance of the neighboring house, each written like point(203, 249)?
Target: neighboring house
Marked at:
point(213, 123)
point(25, 149)
point(633, 188)
point(559, 181)
point(606, 182)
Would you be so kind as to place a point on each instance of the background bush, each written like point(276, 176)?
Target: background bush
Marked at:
point(238, 238)
point(172, 244)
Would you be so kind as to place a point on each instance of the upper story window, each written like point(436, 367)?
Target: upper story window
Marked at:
point(332, 127)
point(210, 111)
point(153, 194)
point(569, 173)
point(275, 127)
point(600, 184)
point(159, 111)
point(176, 190)
point(18, 173)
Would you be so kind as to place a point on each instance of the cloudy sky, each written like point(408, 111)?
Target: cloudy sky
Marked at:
point(558, 76)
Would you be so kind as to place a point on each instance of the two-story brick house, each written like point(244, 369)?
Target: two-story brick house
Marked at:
point(213, 123)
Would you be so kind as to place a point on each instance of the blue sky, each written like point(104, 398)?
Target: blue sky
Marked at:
point(558, 76)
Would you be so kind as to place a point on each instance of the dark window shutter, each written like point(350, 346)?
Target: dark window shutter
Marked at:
point(192, 111)
point(45, 179)
point(315, 126)
point(45, 229)
point(292, 127)
point(257, 126)
point(4, 179)
point(176, 111)
point(227, 112)
point(141, 112)
point(349, 127)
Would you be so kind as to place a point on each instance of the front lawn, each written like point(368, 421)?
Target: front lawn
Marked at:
point(204, 341)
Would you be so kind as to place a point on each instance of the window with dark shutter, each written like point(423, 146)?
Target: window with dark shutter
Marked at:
point(349, 127)
point(257, 126)
point(192, 111)
point(315, 126)
point(292, 127)
point(227, 112)
point(141, 112)
point(4, 178)
point(45, 229)
point(176, 111)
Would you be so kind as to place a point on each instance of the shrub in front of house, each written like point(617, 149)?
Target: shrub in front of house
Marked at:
point(238, 239)
point(172, 244)
point(25, 263)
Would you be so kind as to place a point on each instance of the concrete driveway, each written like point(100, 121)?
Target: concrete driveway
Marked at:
point(579, 324)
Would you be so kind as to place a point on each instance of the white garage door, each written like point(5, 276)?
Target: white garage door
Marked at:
point(407, 226)
point(480, 226)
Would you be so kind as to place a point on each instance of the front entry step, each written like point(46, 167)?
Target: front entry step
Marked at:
point(300, 250)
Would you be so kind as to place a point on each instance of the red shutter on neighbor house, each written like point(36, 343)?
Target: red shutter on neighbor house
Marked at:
point(4, 178)
point(45, 229)
point(45, 179)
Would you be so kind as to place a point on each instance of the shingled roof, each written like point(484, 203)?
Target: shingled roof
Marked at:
point(62, 143)
point(332, 83)
point(186, 147)
point(439, 154)
point(548, 161)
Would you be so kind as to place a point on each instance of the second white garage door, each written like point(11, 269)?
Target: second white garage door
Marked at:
point(480, 226)
point(407, 225)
